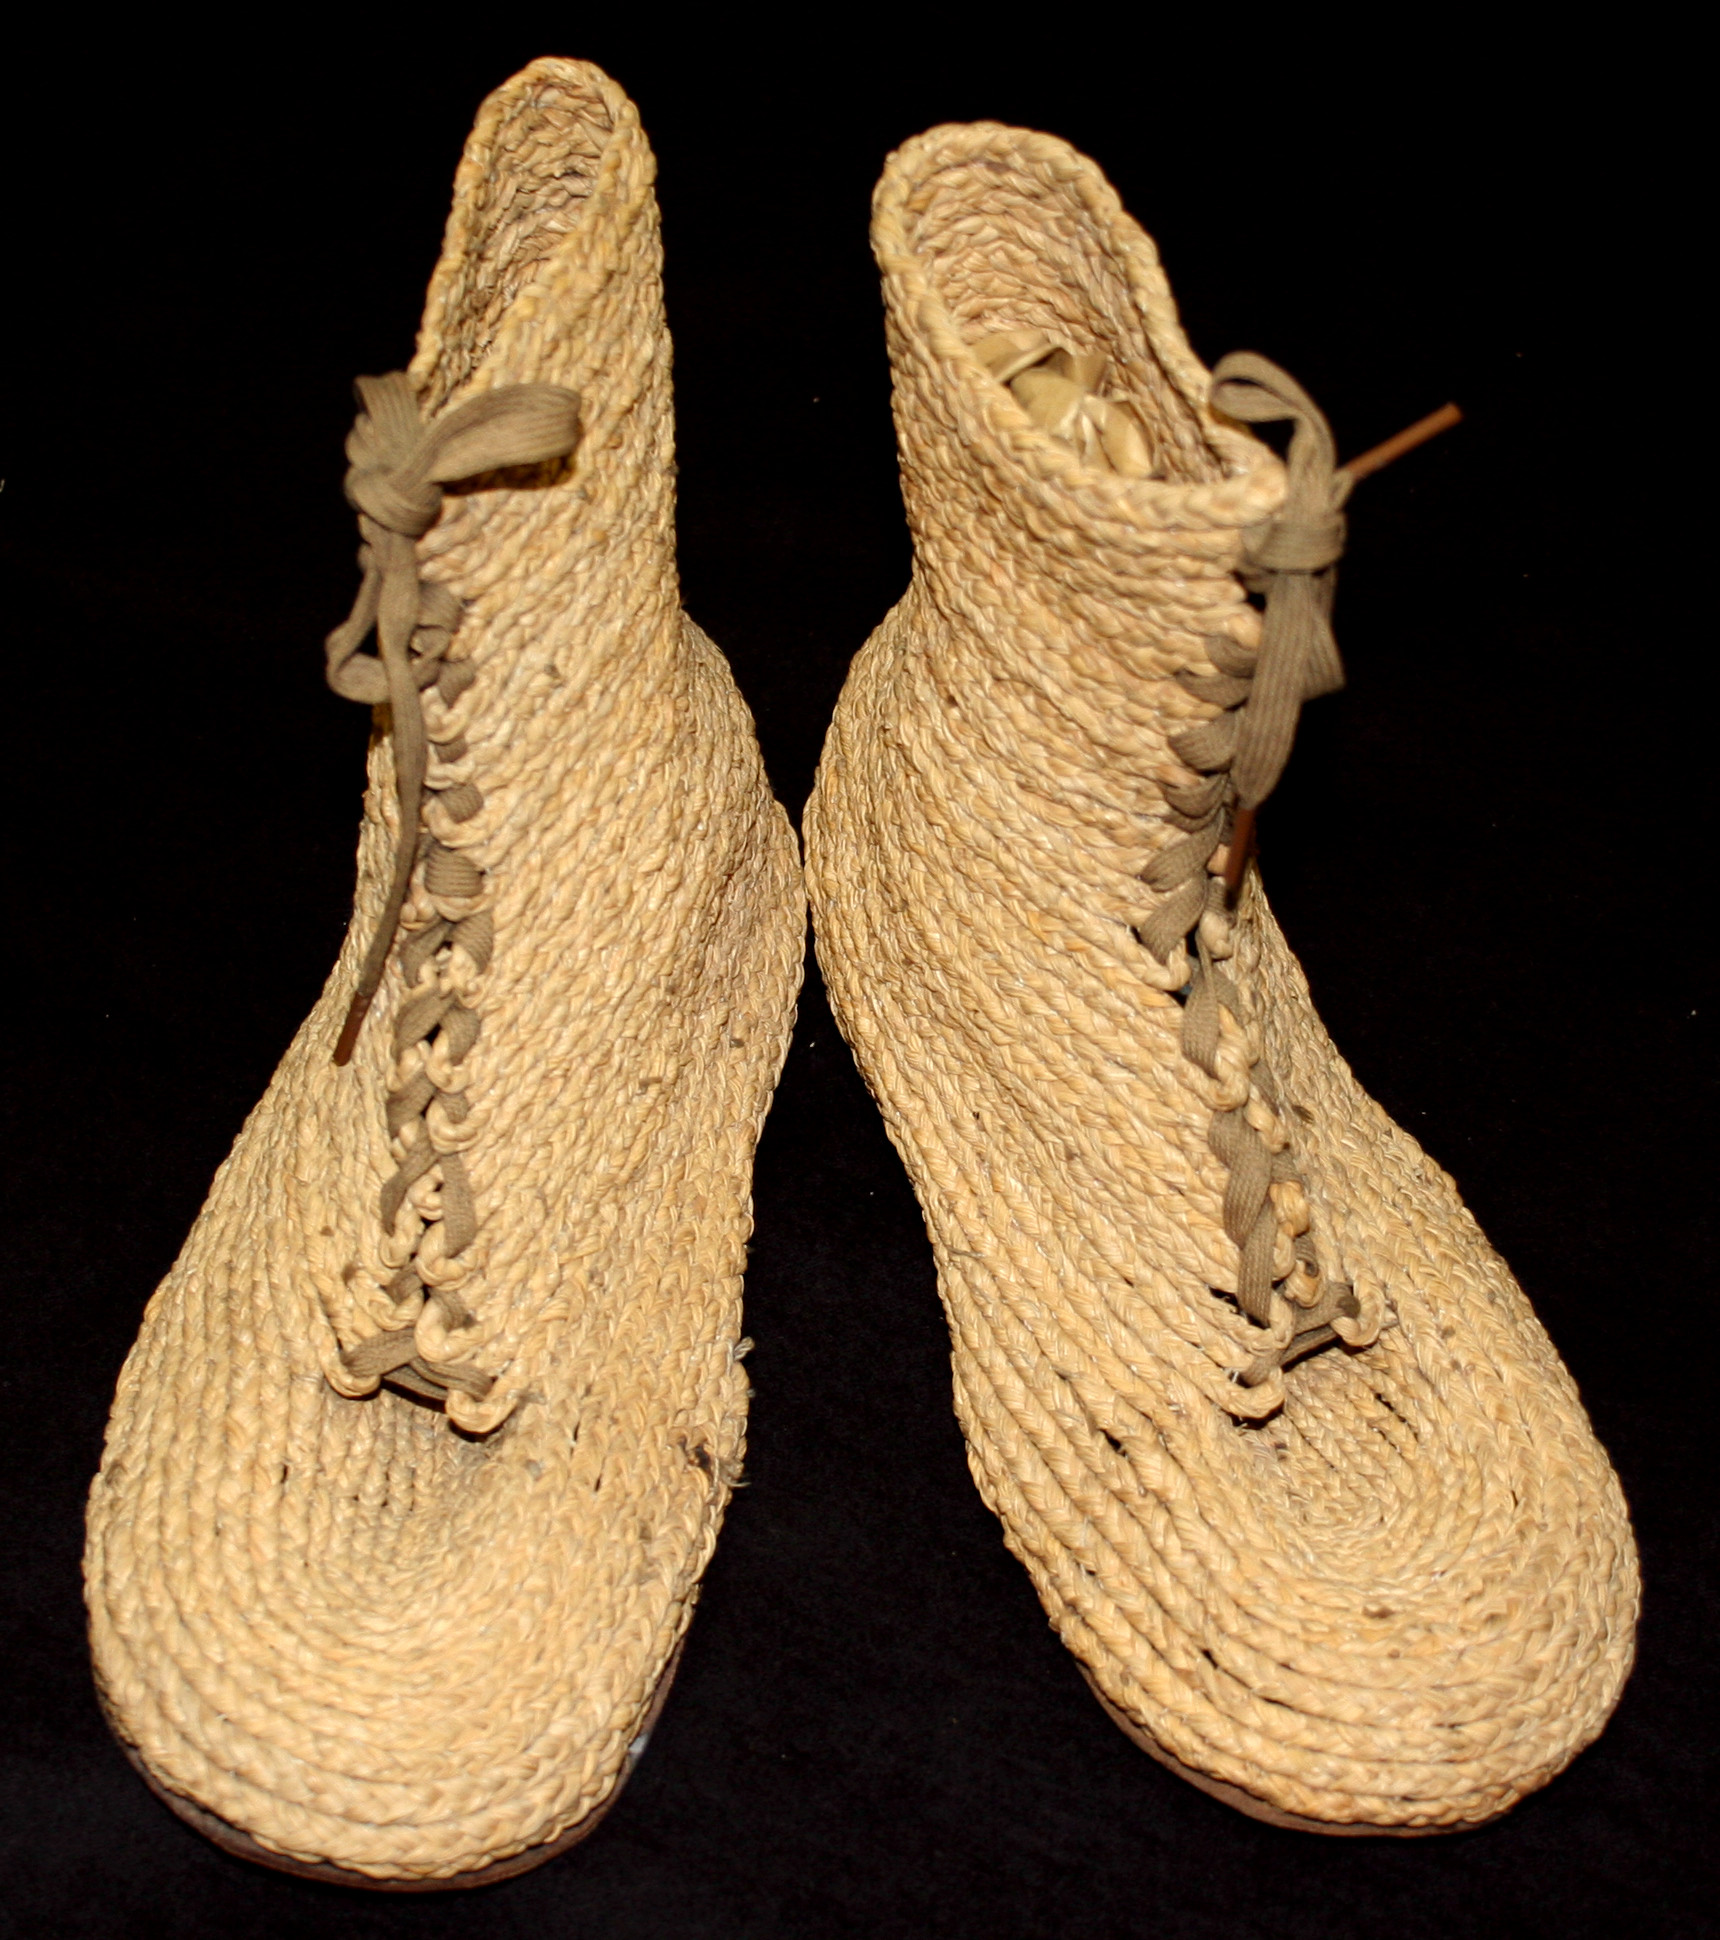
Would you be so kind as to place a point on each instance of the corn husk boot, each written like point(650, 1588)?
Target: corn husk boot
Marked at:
point(1297, 1474)
point(425, 1441)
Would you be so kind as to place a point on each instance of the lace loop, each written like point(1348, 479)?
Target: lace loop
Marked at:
point(397, 468)
point(1239, 753)
point(1290, 557)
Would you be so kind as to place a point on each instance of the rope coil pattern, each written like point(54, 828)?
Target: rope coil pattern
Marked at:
point(1242, 752)
point(1390, 1590)
point(396, 470)
point(405, 1641)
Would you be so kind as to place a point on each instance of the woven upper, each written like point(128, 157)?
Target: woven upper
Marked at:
point(363, 1630)
point(1393, 1586)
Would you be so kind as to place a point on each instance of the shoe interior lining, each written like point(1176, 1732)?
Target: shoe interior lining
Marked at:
point(1019, 249)
point(542, 166)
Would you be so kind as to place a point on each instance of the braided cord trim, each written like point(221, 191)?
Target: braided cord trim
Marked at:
point(397, 469)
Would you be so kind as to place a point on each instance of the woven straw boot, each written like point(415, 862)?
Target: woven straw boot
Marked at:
point(1295, 1470)
point(423, 1447)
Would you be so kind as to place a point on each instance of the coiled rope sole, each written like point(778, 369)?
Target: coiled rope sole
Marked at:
point(1390, 1587)
point(417, 1638)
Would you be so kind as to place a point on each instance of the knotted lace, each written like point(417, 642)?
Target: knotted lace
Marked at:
point(398, 467)
point(1241, 752)
point(1289, 559)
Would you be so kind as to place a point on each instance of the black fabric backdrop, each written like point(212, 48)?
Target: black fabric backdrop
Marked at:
point(1482, 852)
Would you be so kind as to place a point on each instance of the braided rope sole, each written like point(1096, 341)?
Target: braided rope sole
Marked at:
point(241, 1845)
point(408, 1642)
point(1389, 1588)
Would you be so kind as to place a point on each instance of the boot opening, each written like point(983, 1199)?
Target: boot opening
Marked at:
point(526, 179)
point(1012, 239)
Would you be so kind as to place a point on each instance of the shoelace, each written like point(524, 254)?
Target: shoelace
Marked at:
point(398, 467)
point(1242, 752)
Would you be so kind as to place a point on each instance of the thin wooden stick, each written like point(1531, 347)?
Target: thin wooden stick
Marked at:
point(1241, 845)
point(1418, 434)
point(1238, 850)
point(349, 1030)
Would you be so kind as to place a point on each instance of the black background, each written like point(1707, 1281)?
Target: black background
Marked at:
point(1484, 852)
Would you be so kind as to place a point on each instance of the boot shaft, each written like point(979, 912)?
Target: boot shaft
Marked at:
point(551, 273)
point(1084, 590)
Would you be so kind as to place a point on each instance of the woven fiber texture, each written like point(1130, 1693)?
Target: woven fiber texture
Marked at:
point(1391, 1586)
point(366, 1630)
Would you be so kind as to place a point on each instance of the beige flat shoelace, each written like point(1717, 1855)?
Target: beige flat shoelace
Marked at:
point(1241, 752)
point(398, 466)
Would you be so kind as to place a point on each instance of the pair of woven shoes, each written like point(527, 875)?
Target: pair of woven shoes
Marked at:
point(425, 1441)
